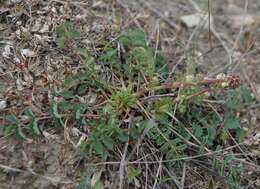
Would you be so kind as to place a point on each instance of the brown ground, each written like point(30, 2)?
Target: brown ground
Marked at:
point(52, 162)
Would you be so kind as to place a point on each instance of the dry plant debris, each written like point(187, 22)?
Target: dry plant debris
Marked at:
point(120, 94)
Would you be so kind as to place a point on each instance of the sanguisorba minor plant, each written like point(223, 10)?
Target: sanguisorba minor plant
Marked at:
point(122, 96)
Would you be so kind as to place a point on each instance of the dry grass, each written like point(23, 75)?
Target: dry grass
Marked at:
point(35, 62)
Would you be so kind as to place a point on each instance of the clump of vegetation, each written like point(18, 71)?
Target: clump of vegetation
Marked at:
point(122, 97)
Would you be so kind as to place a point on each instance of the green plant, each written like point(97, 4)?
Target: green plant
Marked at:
point(22, 128)
point(66, 33)
point(13, 127)
point(169, 115)
point(105, 134)
point(123, 98)
point(133, 174)
point(33, 123)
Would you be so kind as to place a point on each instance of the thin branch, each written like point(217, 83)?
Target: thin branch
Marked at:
point(54, 179)
point(170, 160)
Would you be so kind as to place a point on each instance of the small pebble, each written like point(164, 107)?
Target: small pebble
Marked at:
point(3, 104)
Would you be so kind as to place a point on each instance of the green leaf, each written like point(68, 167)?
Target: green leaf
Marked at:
point(29, 112)
point(60, 30)
point(212, 133)
point(240, 134)
point(74, 80)
point(55, 113)
point(132, 173)
point(232, 102)
point(212, 184)
point(12, 119)
point(165, 147)
point(149, 124)
point(67, 94)
point(67, 29)
point(89, 60)
point(98, 147)
point(107, 109)
point(133, 38)
point(61, 42)
point(141, 59)
point(108, 142)
point(82, 89)
point(182, 147)
point(65, 105)
point(82, 52)
point(163, 106)
point(78, 111)
point(198, 131)
point(14, 126)
point(110, 57)
point(98, 185)
point(64, 32)
point(246, 94)
point(33, 124)
point(9, 130)
point(34, 127)
point(161, 65)
point(122, 136)
point(74, 34)
point(232, 123)
point(54, 109)
point(85, 183)
point(229, 158)
point(19, 132)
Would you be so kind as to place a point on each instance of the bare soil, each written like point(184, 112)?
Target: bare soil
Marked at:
point(52, 161)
